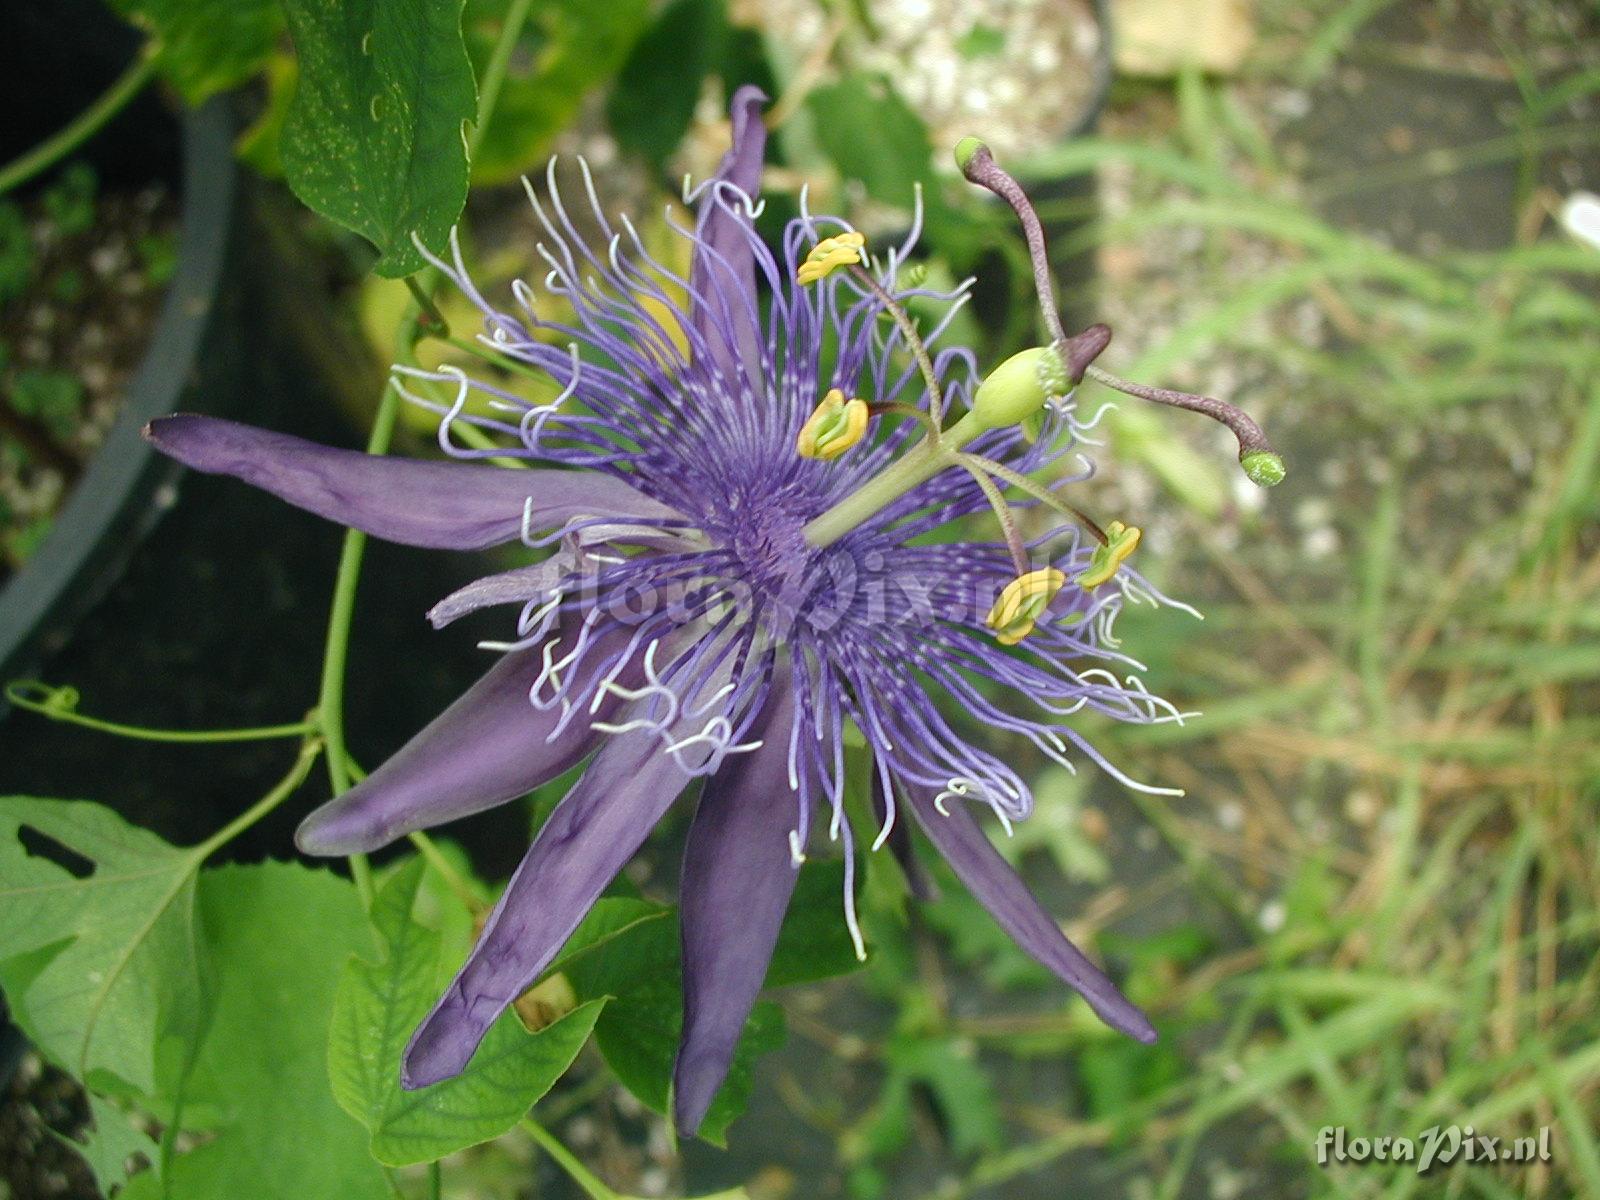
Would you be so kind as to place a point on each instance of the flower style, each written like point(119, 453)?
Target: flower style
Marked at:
point(720, 603)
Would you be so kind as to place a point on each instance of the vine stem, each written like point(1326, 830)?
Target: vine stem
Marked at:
point(494, 71)
point(85, 125)
point(281, 792)
point(59, 704)
point(457, 883)
point(335, 657)
point(568, 1162)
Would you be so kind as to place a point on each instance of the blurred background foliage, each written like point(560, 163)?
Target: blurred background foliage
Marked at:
point(1378, 905)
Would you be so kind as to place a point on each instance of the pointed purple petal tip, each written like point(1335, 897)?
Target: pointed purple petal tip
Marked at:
point(442, 1046)
point(961, 840)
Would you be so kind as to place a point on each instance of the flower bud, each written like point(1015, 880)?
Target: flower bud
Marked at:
point(965, 149)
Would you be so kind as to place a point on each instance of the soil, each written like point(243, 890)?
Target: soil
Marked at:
point(1022, 74)
point(41, 1106)
point(80, 291)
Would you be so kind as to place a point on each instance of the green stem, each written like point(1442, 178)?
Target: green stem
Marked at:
point(908, 330)
point(85, 125)
point(568, 1162)
point(336, 651)
point(921, 463)
point(335, 656)
point(435, 1181)
point(59, 704)
point(437, 325)
point(477, 350)
point(494, 71)
point(1002, 511)
point(285, 788)
point(458, 883)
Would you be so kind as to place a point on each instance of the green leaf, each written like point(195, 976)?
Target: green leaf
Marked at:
point(870, 135)
point(611, 917)
point(653, 102)
point(111, 1143)
point(375, 136)
point(279, 935)
point(207, 46)
point(1118, 1072)
point(638, 1032)
point(814, 942)
point(567, 48)
point(949, 1068)
point(377, 1007)
point(103, 968)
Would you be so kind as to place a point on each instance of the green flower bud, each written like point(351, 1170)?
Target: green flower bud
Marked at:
point(1019, 387)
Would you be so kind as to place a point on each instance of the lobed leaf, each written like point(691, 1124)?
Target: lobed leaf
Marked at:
point(103, 964)
point(379, 1004)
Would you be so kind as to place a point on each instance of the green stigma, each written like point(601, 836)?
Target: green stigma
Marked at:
point(1263, 468)
point(965, 149)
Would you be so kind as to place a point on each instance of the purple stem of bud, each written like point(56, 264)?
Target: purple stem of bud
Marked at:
point(979, 166)
point(1251, 438)
point(1260, 461)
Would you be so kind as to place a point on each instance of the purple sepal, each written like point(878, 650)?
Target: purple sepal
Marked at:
point(738, 876)
point(490, 746)
point(443, 505)
point(592, 833)
point(967, 849)
point(722, 275)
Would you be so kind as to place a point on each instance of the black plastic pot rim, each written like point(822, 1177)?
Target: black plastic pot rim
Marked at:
point(124, 489)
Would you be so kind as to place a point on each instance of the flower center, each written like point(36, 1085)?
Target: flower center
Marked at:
point(768, 542)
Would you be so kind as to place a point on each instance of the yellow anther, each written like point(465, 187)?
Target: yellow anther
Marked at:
point(829, 254)
point(835, 426)
point(1022, 603)
point(1121, 541)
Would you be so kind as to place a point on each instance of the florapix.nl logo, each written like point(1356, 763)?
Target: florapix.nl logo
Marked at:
point(1437, 1146)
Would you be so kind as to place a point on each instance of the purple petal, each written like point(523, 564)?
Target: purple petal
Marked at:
point(967, 849)
point(492, 745)
point(723, 274)
point(587, 840)
point(451, 506)
point(738, 876)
